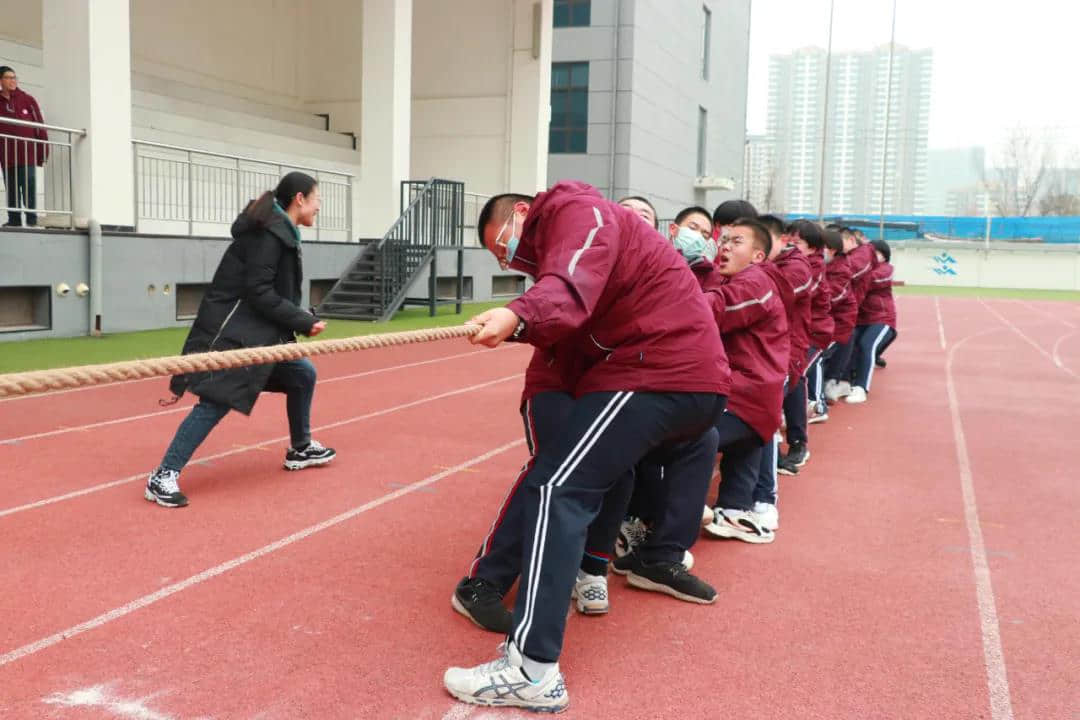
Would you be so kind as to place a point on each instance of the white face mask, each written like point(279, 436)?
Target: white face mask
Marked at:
point(509, 246)
point(693, 246)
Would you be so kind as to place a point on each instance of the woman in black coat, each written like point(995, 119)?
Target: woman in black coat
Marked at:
point(253, 300)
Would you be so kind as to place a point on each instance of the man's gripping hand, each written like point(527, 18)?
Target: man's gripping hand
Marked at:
point(496, 325)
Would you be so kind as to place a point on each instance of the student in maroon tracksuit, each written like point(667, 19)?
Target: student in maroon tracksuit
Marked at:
point(876, 326)
point(844, 311)
point(810, 240)
point(654, 378)
point(791, 272)
point(752, 320)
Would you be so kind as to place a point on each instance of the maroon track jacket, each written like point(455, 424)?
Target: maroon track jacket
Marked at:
point(23, 149)
point(879, 308)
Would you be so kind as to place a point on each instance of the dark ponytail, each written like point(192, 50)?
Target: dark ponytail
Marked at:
point(262, 209)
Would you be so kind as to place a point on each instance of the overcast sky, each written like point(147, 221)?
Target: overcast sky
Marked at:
point(996, 65)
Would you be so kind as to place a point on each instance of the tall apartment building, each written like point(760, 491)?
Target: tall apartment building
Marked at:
point(855, 148)
point(759, 174)
point(668, 119)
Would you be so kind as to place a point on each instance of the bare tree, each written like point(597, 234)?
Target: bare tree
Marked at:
point(1015, 183)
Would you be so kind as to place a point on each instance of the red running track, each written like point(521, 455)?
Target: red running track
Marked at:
point(925, 566)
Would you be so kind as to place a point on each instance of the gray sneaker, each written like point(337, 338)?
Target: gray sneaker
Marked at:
point(501, 683)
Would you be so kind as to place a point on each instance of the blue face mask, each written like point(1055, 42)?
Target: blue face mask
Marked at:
point(510, 244)
point(511, 248)
point(693, 247)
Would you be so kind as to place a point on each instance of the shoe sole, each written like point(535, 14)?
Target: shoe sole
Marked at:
point(619, 571)
point(587, 610)
point(151, 497)
point(645, 583)
point(817, 419)
point(849, 400)
point(785, 471)
point(721, 531)
point(301, 464)
point(458, 607)
point(550, 709)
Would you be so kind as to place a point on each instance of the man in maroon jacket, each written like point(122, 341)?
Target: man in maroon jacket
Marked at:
point(792, 274)
point(752, 319)
point(875, 328)
point(808, 239)
point(22, 148)
point(654, 377)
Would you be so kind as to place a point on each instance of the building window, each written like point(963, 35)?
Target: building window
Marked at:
point(706, 42)
point(507, 285)
point(702, 129)
point(569, 107)
point(446, 288)
point(572, 13)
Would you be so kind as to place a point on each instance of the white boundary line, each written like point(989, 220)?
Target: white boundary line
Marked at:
point(377, 413)
point(996, 676)
point(1027, 339)
point(940, 323)
point(1057, 346)
point(132, 418)
point(1051, 316)
point(225, 567)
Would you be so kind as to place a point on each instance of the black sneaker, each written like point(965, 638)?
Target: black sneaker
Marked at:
point(310, 456)
point(797, 454)
point(481, 602)
point(880, 362)
point(673, 579)
point(786, 468)
point(162, 487)
point(623, 564)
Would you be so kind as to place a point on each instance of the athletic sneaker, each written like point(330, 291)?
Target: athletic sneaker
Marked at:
point(844, 388)
point(162, 487)
point(768, 516)
point(817, 413)
point(706, 516)
point(671, 578)
point(623, 565)
point(310, 456)
point(798, 454)
point(834, 390)
point(503, 683)
point(590, 592)
point(880, 362)
point(481, 602)
point(632, 532)
point(857, 396)
point(739, 525)
point(783, 467)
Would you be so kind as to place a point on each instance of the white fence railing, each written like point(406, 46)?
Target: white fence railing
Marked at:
point(183, 190)
point(36, 172)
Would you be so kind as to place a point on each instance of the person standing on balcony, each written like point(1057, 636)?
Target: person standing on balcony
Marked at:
point(22, 148)
point(253, 301)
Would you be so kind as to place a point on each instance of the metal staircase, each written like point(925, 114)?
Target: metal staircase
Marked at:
point(375, 284)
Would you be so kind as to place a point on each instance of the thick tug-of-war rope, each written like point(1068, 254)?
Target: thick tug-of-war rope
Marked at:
point(38, 381)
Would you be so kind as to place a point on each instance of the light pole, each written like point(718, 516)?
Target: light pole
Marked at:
point(888, 114)
point(825, 117)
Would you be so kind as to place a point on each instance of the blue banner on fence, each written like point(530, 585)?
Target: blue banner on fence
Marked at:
point(930, 227)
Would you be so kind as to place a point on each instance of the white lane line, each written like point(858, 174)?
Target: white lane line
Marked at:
point(1057, 346)
point(264, 443)
point(1049, 315)
point(146, 600)
point(133, 418)
point(996, 676)
point(940, 323)
point(1027, 339)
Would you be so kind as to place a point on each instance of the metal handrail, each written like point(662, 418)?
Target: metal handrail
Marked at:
point(28, 123)
point(405, 214)
point(227, 156)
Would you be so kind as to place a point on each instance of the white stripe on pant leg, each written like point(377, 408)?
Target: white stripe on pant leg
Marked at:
point(568, 466)
point(565, 470)
point(873, 356)
point(775, 461)
point(531, 579)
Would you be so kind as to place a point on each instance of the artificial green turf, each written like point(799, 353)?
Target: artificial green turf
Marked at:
point(1019, 294)
point(64, 352)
